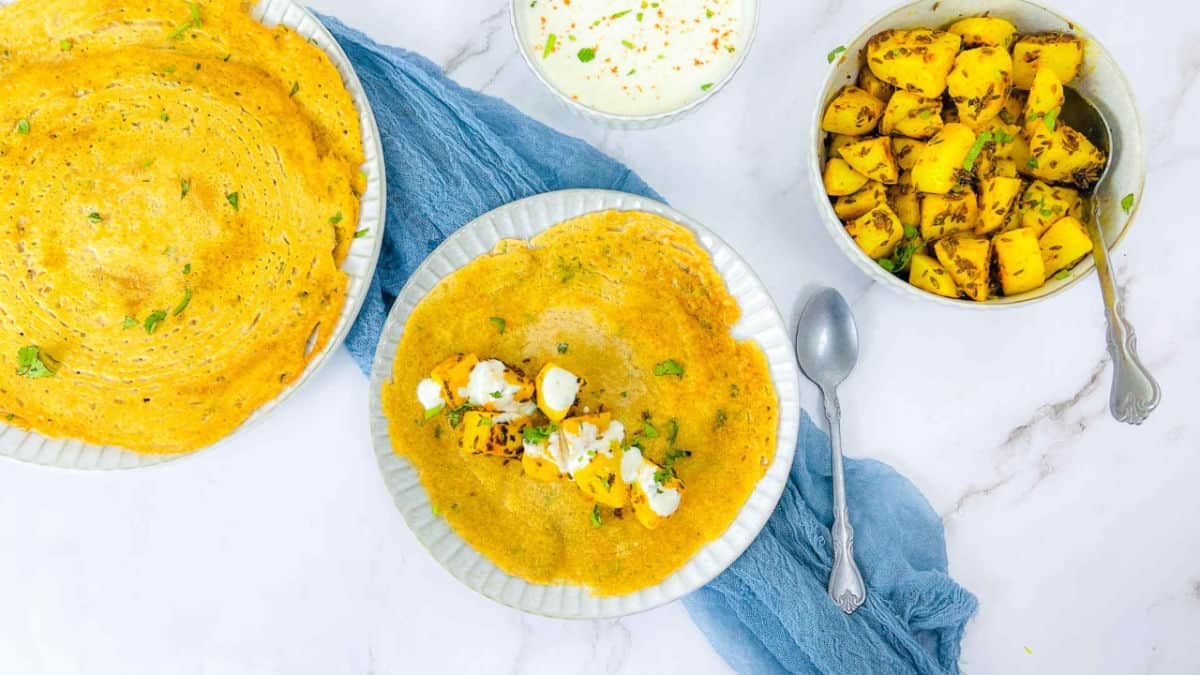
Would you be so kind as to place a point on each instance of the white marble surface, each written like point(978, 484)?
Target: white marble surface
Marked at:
point(283, 554)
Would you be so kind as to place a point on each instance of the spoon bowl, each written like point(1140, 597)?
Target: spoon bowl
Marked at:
point(826, 339)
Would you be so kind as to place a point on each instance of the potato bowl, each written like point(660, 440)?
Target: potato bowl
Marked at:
point(1100, 80)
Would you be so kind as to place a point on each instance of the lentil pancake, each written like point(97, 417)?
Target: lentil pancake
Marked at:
point(178, 187)
point(611, 297)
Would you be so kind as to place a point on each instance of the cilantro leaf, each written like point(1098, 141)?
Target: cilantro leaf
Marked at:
point(668, 367)
point(153, 320)
point(499, 323)
point(832, 56)
point(586, 54)
point(1127, 203)
point(30, 364)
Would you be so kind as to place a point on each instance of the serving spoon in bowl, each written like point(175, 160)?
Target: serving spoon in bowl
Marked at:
point(1134, 392)
point(827, 349)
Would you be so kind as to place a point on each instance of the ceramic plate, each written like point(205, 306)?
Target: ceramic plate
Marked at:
point(760, 321)
point(359, 265)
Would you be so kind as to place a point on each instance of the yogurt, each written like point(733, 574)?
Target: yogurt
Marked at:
point(634, 57)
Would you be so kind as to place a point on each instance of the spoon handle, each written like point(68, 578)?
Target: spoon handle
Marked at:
point(1134, 392)
point(846, 585)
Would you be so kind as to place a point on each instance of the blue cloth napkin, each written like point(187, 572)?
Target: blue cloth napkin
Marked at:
point(453, 154)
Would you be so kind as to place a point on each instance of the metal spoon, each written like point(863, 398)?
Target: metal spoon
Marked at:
point(827, 348)
point(1134, 392)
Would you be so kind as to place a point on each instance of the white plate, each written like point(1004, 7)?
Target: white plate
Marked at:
point(359, 266)
point(760, 321)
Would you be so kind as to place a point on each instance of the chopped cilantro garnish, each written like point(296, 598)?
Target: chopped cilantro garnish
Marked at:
point(620, 14)
point(706, 86)
point(30, 364)
point(66, 45)
point(631, 71)
point(639, 16)
point(130, 322)
point(434, 510)
point(596, 522)
point(977, 148)
point(722, 418)
point(455, 415)
point(832, 56)
point(887, 264)
point(668, 367)
point(232, 198)
point(193, 22)
point(95, 218)
point(185, 186)
point(1127, 203)
point(499, 323)
point(734, 391)
point(1032, 162)
point(23, 126)
point(187, 269)
point(1050, 118)
point(187, 297)
point(551, 40)
point(335, 218)
point(497, 394)
point(910, 232)
point(295, 89)
point(563, 347)
point(536, 435)
point(648, 429)
point(708, 13)
point(925, 114)
point(153, 320)
point(662, 476)
point(672, 430)
point(1062, 274)
point(627, 43)
point(586, 54)
point(362, 233)
point(674, 454)
point(434, 410)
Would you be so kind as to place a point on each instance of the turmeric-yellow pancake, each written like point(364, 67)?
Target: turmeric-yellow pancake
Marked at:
point(178, 187)
point(630, 303)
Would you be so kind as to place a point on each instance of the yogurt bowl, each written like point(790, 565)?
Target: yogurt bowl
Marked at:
point(634, 65)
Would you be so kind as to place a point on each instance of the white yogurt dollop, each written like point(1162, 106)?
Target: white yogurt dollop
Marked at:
point(429, 393)
point(632, 57)
point(559, 388)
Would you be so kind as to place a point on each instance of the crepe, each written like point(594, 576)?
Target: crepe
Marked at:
point(178, 187)
point(630, 303)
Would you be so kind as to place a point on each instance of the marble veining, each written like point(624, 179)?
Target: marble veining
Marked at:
point(283, 553)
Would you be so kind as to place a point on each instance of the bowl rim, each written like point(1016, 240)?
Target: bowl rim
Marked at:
point(631, 121)
point(752, 515)
point(372, 214)
point(1084, 269)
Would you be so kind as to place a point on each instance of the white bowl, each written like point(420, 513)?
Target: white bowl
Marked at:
point(631, 122)
point(760, 321)
point(359, 266)
point(1100, 81)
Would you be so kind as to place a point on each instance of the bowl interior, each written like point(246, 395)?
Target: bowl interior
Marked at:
point(1100, 80)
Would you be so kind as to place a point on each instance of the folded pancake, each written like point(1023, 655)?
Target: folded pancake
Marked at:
point(174, 208)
